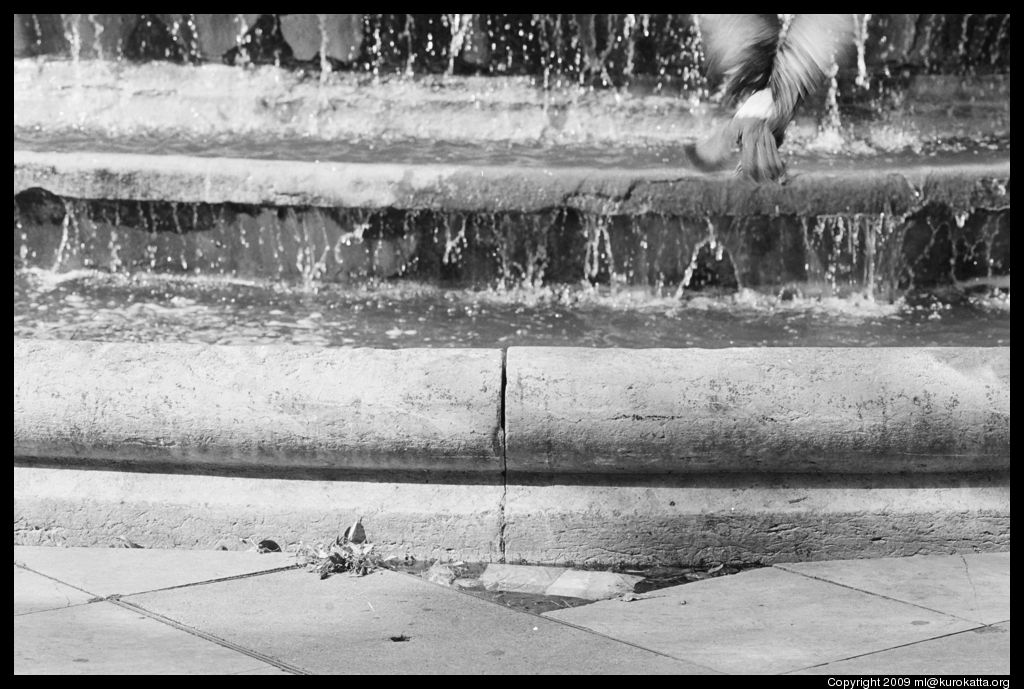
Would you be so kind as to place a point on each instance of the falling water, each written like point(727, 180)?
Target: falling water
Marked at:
point(39, 33)
point(73, 36)
point(592, 50)
point(461, 25)
point(242, 29)
point(1002, 35)
point(97, 31)
point(847, 252)
point(598, 261)
point(961, 46)
point(831, 121)
point(186, 32)
point(325, 63)
point(860, 35)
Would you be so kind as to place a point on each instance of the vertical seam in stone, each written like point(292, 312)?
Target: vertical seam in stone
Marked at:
point(504, 460)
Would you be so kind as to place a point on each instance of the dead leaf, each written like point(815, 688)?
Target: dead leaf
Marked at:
point(355, 533)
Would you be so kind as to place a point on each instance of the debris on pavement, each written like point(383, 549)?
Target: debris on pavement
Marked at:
point(350, 552)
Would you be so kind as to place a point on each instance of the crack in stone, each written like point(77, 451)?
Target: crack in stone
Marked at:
point(967, 573)
point(504, 461)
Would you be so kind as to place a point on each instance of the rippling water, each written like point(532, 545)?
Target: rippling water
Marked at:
point(93, 305)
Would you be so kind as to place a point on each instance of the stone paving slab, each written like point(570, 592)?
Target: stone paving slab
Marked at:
point(975, 587)
point(393, 623)
point(102, 638)
point(104, 572)
point(762, 621)
point(34, 593)
point(982, 651)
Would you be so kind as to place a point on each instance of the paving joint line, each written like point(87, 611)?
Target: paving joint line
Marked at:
point(279, 664)
point(882, 595)
point(233, 577)
point(97, 599)
point(52, 578)
point(892, 648)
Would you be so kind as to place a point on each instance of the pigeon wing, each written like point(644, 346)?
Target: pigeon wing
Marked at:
point(805, 56)
point(741, 50)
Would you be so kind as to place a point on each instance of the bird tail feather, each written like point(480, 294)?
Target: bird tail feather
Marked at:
point(759, 154)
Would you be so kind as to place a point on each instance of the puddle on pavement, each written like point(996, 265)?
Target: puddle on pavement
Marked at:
point(466, 577)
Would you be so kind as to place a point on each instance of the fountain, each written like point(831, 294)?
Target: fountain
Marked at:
point(503, 182)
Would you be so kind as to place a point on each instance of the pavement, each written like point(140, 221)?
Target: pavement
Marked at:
point(143, 611)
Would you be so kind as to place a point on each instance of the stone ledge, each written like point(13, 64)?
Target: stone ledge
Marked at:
point(761, 410)
point(864, 187)
point(788, 519)
point(566, 410)
point(75, 507)
point(257, 407)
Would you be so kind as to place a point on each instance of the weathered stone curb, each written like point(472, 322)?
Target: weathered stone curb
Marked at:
point(750, 455)
point(607, 520)
point(566, 410)
point(744, 518)
point(869, 187)
point(766, 410)
point(279, 407)
point(90, 507)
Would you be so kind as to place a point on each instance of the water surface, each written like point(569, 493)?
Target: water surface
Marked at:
point(96, 305)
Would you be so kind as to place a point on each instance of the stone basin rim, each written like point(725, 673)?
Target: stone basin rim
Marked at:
point(526, 410)
point(867, 188)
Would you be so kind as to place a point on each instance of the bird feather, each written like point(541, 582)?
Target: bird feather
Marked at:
point(771, 69)
point(804, 57)
point(740, 49)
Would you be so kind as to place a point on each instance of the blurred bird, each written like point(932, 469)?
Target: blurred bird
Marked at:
point(768, 68)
